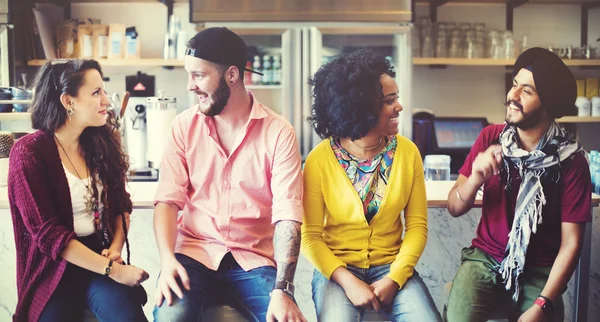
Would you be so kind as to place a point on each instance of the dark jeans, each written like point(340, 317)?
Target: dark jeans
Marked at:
point(80, 289)
point(230, 284)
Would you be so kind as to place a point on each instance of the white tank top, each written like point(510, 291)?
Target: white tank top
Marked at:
point(83, 221)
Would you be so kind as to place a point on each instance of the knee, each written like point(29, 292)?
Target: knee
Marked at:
point(176, 312)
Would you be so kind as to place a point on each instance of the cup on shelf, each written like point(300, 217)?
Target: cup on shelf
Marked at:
point(584, 106)
point(595, 106)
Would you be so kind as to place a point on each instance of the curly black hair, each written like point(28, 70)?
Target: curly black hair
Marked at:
point(347, 95)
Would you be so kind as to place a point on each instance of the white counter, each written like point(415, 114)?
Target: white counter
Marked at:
point(142, 194)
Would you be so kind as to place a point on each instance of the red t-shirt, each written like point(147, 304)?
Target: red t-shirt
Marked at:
point(568, 200)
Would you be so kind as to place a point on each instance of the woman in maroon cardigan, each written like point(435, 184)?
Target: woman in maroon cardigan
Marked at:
point(66, 187)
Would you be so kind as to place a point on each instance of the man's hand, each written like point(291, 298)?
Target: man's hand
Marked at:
point(385, 289)
point(361, 294)
point(486, 164)
point(534, 314)
point(170, 271)
point(283, 309)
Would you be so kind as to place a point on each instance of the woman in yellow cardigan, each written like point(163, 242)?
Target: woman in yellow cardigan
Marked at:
point(357, 183)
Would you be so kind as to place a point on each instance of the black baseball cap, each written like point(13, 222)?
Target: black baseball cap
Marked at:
point(219, 45)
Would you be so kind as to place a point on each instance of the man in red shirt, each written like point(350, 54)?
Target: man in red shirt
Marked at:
point(536, 200)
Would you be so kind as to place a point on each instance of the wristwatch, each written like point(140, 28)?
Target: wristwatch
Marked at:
point(285, 286)
point(545, 304)
point(108, 268)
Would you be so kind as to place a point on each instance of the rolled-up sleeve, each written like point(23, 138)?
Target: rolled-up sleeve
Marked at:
point(174, 176)
point(286, 179)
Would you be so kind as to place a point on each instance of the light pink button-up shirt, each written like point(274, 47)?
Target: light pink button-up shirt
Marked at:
point(231, 203)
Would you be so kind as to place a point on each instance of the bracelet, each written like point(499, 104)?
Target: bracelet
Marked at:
point(545, 303)
point(458, 195)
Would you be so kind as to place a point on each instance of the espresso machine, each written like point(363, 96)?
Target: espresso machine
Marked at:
point(140, 87)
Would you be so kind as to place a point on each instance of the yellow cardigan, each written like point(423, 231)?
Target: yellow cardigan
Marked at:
point(335, 231)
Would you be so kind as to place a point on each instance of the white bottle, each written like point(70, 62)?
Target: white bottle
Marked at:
point(174, 27)
point(584, 106)
point(267, 70)
point(276, 70)
point(182, 38)
point(596, 106)
point(256, 79)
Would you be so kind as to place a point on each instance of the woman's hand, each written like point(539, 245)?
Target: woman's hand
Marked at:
point(113, 255)
point(128, 275)
point(385, 289)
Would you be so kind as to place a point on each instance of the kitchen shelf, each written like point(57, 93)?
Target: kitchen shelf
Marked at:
point(579, 119)
point(24, 116)
point(143, 62)
point(419, 61)
point(15, 101)
point(263, 86)
point(502, 1)
point(492, 62)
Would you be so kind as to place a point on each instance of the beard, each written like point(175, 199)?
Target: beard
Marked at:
point(220, 98)
point(529, 120)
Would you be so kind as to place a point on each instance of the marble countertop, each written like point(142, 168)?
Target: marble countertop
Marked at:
point(142, 194)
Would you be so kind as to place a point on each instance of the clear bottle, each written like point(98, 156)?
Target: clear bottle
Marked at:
point(390, 59)
point(267, 70)
point(594, 167)
point(596, 177)
point(276, 70)
point(256, 66)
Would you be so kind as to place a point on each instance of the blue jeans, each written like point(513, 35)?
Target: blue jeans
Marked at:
point(412, 302)
point(230, 284)
point(79, 289)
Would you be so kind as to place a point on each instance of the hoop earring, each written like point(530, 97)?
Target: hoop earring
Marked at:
point(70, 112)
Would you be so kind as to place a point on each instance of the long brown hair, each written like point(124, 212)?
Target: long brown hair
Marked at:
point(100, 146)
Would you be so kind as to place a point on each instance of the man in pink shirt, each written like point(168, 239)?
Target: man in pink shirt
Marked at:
point(233, 167)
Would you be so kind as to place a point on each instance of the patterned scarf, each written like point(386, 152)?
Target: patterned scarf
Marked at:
point(554, 147)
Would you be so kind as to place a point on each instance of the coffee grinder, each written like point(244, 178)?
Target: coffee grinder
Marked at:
point(141, 87)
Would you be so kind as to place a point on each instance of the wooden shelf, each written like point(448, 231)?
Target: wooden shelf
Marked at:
point(15, 101)
point(492, 62)
point(419, 61)
point(574, 2)
point(144, 62)
point(463, 61)
point(579, 119)
point(15, 116)
point(263, 86)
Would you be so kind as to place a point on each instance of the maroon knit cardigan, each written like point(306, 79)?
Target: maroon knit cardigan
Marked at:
point(42, 215)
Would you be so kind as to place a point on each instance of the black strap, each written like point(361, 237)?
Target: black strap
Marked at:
point(128, 262)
